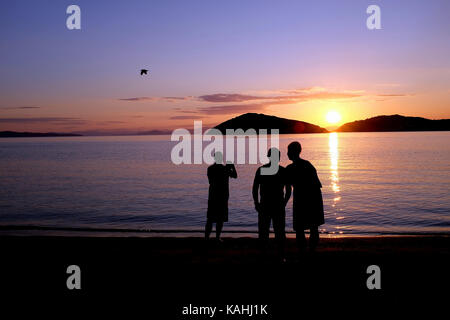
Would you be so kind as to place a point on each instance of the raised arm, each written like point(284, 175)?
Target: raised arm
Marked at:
point(232, 170)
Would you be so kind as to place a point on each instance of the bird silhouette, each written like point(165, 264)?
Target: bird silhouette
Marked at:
point(143, 71)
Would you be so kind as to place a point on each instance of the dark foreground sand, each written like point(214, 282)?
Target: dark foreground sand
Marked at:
point(169, 273)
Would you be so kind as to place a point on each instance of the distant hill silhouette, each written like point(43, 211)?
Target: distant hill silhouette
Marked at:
point(395, 123)
point(154, 132)
point(261, 121)
point(14, 134)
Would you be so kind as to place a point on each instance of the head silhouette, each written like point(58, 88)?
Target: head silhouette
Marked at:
point(294, 150)
point(218, 157)
point(274, 155)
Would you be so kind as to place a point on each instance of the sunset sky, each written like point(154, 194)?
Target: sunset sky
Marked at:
point(213, 60)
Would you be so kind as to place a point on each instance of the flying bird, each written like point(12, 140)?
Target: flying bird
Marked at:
point(143, 71)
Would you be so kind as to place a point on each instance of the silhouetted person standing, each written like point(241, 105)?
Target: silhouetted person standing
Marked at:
point(218, 176)
point(272, 202)
point(308, 203)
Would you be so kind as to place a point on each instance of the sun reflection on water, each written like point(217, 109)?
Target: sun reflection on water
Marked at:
point(334, 156)
point(334, 176)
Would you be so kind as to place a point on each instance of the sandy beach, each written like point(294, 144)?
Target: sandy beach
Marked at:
point(175, 271)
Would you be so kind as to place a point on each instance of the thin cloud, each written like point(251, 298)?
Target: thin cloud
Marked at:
point(270, 101)
point(264, 103)
point(111, 122)
point(305, 90)
point(186, 111)
point(229, 97)
point(18, 108)
point(326, 96)
point(176, 98)
point(187, 117)
point(268, 97)
point(168, 99)
point(53, 120)
point(137, 99)
point(303, 95)
point(232, 109)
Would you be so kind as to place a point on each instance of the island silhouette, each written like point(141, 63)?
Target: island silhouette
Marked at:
point(259, 121)
point(395, 123)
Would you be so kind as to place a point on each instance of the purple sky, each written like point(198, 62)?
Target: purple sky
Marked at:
point(212, 60)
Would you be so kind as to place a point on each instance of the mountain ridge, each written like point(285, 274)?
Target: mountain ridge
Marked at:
point(259, 121)
point(395, 123)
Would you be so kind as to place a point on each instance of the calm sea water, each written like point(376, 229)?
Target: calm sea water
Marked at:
point(373, 183)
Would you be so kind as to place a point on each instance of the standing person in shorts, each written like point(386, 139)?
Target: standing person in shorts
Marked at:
point(218, 177)
point(274, 194)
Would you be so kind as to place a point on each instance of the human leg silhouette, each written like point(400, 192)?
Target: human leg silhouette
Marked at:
point(208, 228)
point(263, 230)
point(219, 226)
point(300, 238)
point(263, 226)
point(313, 238)
point(279, 227)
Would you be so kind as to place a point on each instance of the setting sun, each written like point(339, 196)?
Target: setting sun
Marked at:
point(333, 117)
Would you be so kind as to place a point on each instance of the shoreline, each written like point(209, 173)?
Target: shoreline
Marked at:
point(52, 231)
point(414, 244)
point(196, 234)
